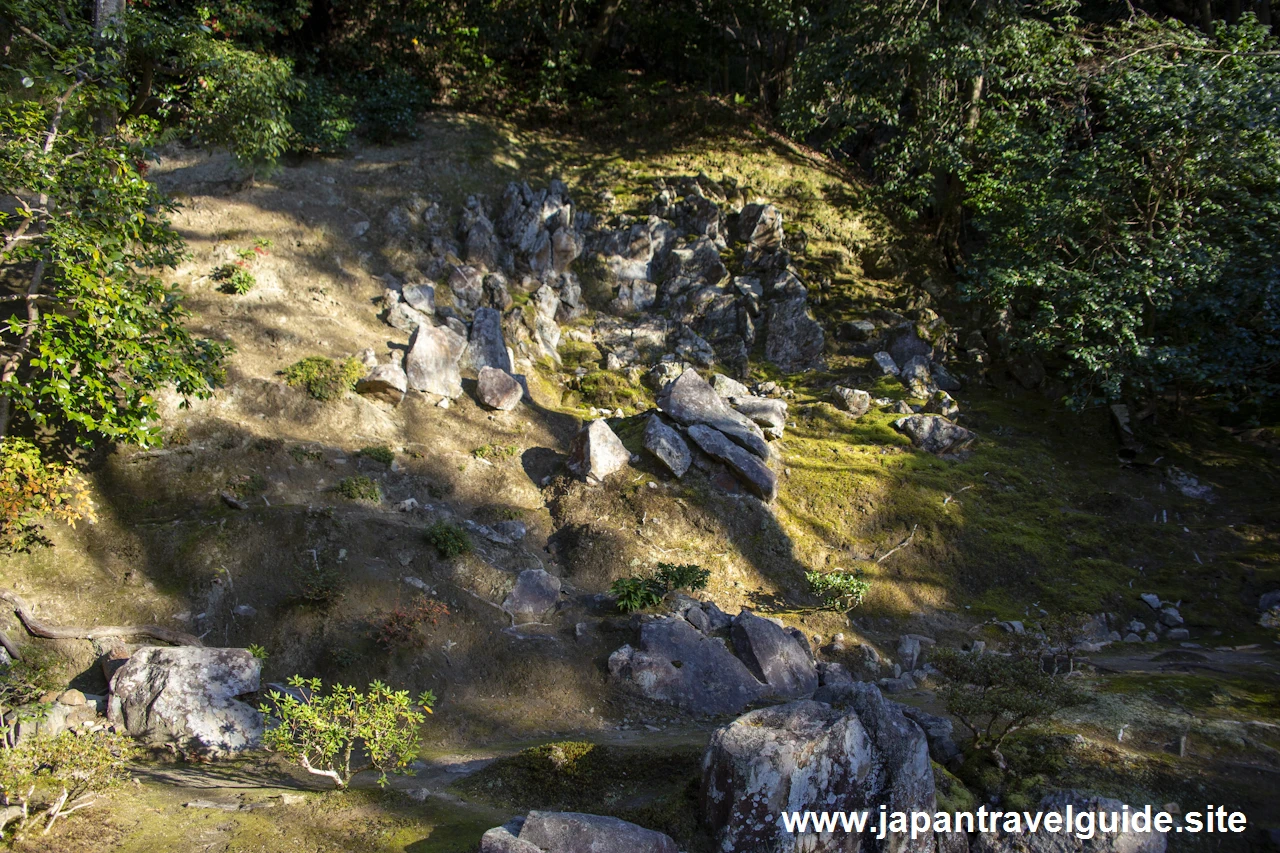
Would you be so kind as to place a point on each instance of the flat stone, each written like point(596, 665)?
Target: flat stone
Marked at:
point(727, 387)
point(757, 477)
point(387, 382)
point(596, 452)
point(432, 363)
point(934, 433)
point(406, 318)
point(667, 445)
point(421, 297)
point(768, 413)
point(1151, 600)
point(498, 389)
point(774, 656)
point(689, 400)
point(572, 832)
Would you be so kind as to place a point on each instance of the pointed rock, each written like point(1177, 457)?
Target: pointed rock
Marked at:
point(488, 348)
point(385, 382)
point(432, 365)
point(596, 452)
point(667, 445)
point(498, 389)
point(757, 477)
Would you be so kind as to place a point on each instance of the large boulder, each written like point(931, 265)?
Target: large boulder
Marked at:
point(487, 347)
point(498, 389)
point(535, 593)
point(385, 382)
point(596, 452)
point(774, 655)
point(1069, 842)
point(690, 400)
point(572, 832)
point(794, 340)
point(186, 697)
point(810, 755)
point(667, 445)
point(754, 473)
point(934, 433)
point(432, 363)
point(676, 663)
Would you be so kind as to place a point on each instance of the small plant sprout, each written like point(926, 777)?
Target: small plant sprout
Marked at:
point(637, 593)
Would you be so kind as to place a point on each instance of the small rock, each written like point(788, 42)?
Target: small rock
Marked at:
point(73, 698)
point(851, 400)
point(1132, 637)
point(888, 367)
point(421, 297)
point(1151, 600)
point(498, 389)
point(762, 481)
point(535, 593)
point(1170, 617)
point(1178, 634)
point(934, 433)
point(941, 403)
point(726, 387)
point(245, 610)
point(667, 445)
point(596, 452)
point(387, 382)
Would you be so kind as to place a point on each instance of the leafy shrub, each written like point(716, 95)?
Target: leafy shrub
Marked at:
point(259, 652)
point(319, 585)
point(496, 451)
point(49, 778)
point(301, 453)
point(606, 390)
point(400, 627)
point(359, 488)
point(378, 453)
point(449, 540)
point(637, 593)
point(389, 105)
point(839, 590)
point(243, 101)
point(235, 278)
point(321, 732)
point(322, 118)
point(23, 682)
point(323, 378)
point(31, 488)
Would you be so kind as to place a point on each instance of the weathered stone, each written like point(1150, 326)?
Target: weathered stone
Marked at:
point(794, 339)
point(884, 361)
point(545, 330)
point(1065, 842)
point(934, 434)
point(505, 839)
point(466, 283)
point(941, 403)
point(852, 400)
point(726, 387)
point(904, 344)
point(774, 656)
point(767, 413)
point(760, 226)
point(1269, 601)
point(690, 400)
point(811, 755)
point(186, 696)
point(432, 363)
point(667, 445)
point(676, 663)
point(406, 318)
point(943, 378)
point(857, 331)
point(498, 389)
point(1170, 617)
point(496, 293)
point(939, 731)
point(479, 243)
point(535, 593)
point(386, 382)
point(571, 832)
point(596, 452)
point(1151, 600)
point(754, 473)
point(909, 653)
point(487, 347)
point(916, 377)
point(422, 297)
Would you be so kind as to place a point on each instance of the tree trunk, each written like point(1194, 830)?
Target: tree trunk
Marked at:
point(600, 38)
point(1206, 16)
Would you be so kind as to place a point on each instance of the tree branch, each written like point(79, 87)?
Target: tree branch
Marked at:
point(38, 628)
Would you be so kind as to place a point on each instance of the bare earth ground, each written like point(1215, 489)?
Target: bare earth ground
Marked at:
point(1040, 515)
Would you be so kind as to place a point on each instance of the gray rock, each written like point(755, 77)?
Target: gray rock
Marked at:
point(186, 697)
point(498, 389)
point(939, 731)
point(857, 331)
point(487, 347)
point(596, 452)
point(690, 400)
point(934, 433)
point(1177, 634)
point(726, 387)
point(909, 653)
point(832, 673)
point(794, 339)
point(916, 377)
point(809, 754)
point(421, 297)
point(1132, 637)
point(667, 445)
point(676, 663)
point(943, 378)
point(571, 832)
point(1062, 842)
point(904, 345)
point(884, 361)
point(760, 226)
point(432, 363)
point(405, 318)
point(245, 611)
point(767, 413)
point(496, 293)
point(1269, 601)
point(851, 400)
point(757, 477)
point(898, 684)
point(535, 593)
point(941, 403)
point(697, 617)
point(386, 382)
point(466, 283)
point(1170, 617)
point(510, 532)
point(506, 839)
point(1151, 600)
point(774, 656)
point(719, 620)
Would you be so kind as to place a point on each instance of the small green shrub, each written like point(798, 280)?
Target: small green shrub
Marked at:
point(840, 590)
point(318, 585)
point(259, 652)
point(359, 488)
point(49, 778)
point(234, 278)
point(301, 453)
point(496, 451)
point(605, 389)
point(322, 119)
point(378, 453)
point(449, 540)
point(323, 378)
point(637, 593)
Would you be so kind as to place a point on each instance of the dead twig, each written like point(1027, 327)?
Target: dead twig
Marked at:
point(904, 543)
point(37, 628)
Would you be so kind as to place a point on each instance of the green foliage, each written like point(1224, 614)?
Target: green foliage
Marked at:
point(449, 540)
point(302, 453)
point(234, 278)
point(638, 593)
point(323, 378)
point(319, 585)
point(378, 453)
point(49, 778)
point(359, 488)
point(23, 682)
point(241, 100)
point(324, 732)
point(322, 119)
point(606, 389)
point(259, 652)
point(31, 488)
point(994, 695)
point(839, 590)
point(496, 451)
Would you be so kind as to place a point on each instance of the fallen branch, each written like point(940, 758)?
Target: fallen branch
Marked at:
point(38, 628)
point(904, 543)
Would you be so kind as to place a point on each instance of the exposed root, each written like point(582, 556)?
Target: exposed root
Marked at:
point(37, 628)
